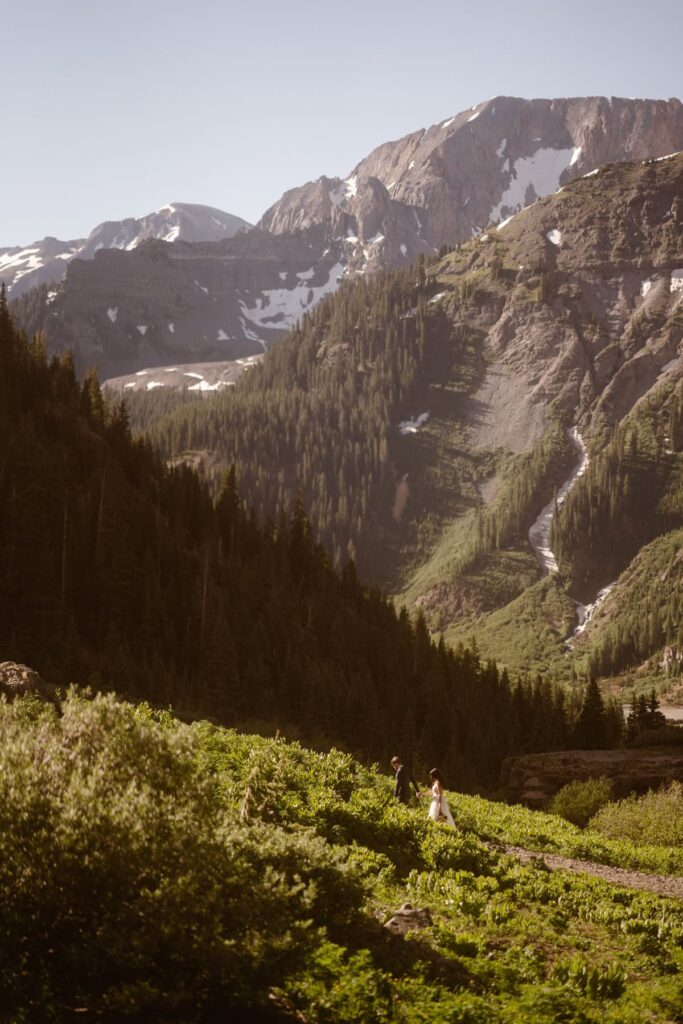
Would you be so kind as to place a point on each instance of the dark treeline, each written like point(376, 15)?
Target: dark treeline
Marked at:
point(121, 572)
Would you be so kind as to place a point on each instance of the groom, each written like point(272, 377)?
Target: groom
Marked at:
point(404, 781)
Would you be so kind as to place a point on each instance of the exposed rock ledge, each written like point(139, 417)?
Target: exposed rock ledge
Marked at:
point(535, 778)
point(16, 680)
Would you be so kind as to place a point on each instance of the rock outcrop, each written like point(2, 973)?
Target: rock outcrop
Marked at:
point(446, 183)
point(409, 919)
point(18, 680)
point(534, 778)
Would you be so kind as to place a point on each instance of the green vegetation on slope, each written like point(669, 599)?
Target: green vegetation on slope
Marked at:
point(150, 870)
point(628, 508)
point(630, 636)
point(631, 492)
point(121, 572)
point(653, 818)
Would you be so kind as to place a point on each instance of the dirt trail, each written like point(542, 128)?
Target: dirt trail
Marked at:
point(670, 886)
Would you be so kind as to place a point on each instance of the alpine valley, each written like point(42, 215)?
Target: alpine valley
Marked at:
point(493, 284)
point(397, 470)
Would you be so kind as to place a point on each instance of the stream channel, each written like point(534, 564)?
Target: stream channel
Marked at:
point(539, 536)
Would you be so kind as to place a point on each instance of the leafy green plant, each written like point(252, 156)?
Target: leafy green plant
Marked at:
point(578, 801)
point(127, 891)
point(653, 818)
point(135, 884)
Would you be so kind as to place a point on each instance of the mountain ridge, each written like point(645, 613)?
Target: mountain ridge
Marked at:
point(482, 163)
point(44, 261)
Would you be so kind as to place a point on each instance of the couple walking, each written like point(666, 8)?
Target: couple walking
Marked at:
point(405, 783)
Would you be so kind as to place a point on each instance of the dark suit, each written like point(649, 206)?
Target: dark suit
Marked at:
point(404, 782)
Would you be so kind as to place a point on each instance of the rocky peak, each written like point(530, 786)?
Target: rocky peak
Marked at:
point(483, 164)
point(45, 261)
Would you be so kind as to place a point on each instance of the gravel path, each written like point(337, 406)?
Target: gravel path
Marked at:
point(664, 885)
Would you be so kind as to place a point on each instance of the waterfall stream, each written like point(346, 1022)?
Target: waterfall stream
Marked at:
point(539, 533)
point(539, 537)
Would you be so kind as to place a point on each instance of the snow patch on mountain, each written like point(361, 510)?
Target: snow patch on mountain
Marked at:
point(554, 236)
point(412, 426)
point(112, 313)
point(506, 221)
point(533, 176)
point(669, 366)
point(351, 186)
point(22, 262)
point(282, 307)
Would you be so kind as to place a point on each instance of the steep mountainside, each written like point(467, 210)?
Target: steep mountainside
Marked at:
point(446, 183)
point(162, 304)
point(44, 262)
point(437, 186)
point(425, 417)
point(121, 572)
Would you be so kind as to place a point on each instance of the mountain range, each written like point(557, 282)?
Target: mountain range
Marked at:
point(432, 418)
point(174, 298)
point(434, 413)
point(45, 261)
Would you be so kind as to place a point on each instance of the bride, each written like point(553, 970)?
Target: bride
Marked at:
point(439, 809)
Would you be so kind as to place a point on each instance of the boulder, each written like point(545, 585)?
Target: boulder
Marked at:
point(17, 680)
point(409, 919)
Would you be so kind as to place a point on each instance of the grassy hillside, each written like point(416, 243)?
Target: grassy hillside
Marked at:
point(150, 870)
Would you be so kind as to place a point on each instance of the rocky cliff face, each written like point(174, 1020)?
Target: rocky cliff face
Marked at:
point(161, 304)
point(438, 185)
point(605, 266)
point(534, 778)
point(446, 183)
point(45, 261)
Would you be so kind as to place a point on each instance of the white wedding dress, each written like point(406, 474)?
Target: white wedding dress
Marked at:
point(439, 805)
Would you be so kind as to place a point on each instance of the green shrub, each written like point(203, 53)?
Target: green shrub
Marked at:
point(654, 818)
point(578, 801)
point(128, 892)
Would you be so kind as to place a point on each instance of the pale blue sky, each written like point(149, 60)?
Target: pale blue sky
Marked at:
point(112, 108)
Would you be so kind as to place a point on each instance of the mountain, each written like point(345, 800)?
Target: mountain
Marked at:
point(428, 418)
point(44, 262)
point(436, 186)
point(446, 183)
point(122, 572)
point(163, 304)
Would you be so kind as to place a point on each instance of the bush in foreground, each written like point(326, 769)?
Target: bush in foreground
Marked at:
point(578, 801)
point(654, 818)
point(127, 892)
